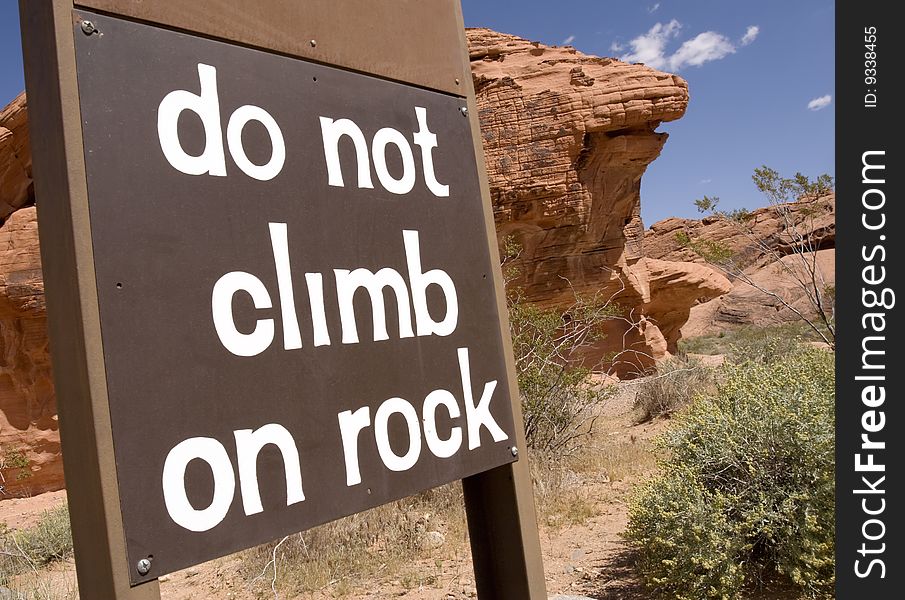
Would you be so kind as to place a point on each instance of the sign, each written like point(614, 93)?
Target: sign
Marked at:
point(273, 291)
point(292, 279)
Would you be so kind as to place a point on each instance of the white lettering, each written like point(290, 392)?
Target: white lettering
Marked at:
point(404, 184)
point(419, 283)
point(207, 106)
point(350, 426)
point(478, 416)
point(393, 461)
point(248, 445)
point(174, 495)
point(441, 448)
point(237, 122)
point(348, 282)
point(331, 132)
point(241, 344)
point(427, 141)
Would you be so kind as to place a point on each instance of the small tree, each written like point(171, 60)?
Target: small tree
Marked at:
point(549, 344)
point(796, 201)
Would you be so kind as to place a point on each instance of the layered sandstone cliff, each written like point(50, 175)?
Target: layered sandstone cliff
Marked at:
point(764, 239)
point(567, 138)
point(29, 439)
point(15, 158)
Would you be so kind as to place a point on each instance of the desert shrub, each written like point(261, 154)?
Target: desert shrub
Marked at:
point(48, 540)
point(688, 550)
point(747, 490)
point(673, 384)
point(558, 401)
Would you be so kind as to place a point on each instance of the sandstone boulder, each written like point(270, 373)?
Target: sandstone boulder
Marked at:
point(15, 158)
point(766, 254)
point(566, 139)
point(30, 458)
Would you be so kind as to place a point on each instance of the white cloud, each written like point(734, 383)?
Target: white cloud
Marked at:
point(705, 181)
point(650, 48)
point(821, 102)
point(750, 35)
point(568, 40)
point(616, 47)
point(651, 10)
point(702, 48)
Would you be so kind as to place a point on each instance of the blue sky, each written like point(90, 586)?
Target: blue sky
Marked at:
point(750, 88)
point(749, 106)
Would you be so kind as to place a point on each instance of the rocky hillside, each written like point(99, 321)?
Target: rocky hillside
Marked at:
point(567, 138)
point(766, 241)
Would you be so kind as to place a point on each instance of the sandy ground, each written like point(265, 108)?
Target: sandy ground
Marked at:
point(18, 513)
point(586, 558)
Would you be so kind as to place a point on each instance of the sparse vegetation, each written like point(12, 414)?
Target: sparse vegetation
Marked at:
point(797, 202)
point(746, 493)
point(672, 386)
point(15, 460)
point(757, 344)
point(558, 403)
point(385, 540)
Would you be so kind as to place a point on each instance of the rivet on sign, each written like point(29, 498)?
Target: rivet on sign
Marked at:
point(457, 81)
point(313, 43)
point(88, 27)
point(143, 566)
point(464, 111)
point(514, 451)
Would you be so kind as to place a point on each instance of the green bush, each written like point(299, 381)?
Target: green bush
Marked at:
point(671, 387)
point(747, 490)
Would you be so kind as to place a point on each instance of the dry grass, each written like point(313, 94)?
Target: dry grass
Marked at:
point(47, 541)
point(30, 559)
point(621, 459)
point(674, 384)
point(385, 541)
point(50, 583)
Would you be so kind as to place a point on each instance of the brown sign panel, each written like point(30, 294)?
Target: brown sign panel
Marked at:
point(295, 291)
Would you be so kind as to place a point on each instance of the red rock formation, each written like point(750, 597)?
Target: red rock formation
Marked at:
point(567, 138)
point(744, 304)
point(15, 158)
point(30, 459)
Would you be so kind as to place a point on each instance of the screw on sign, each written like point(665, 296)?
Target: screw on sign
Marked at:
point(286, 282)
point(144, 566)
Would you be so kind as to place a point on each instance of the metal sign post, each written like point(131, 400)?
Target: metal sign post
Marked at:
point(273, 286)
